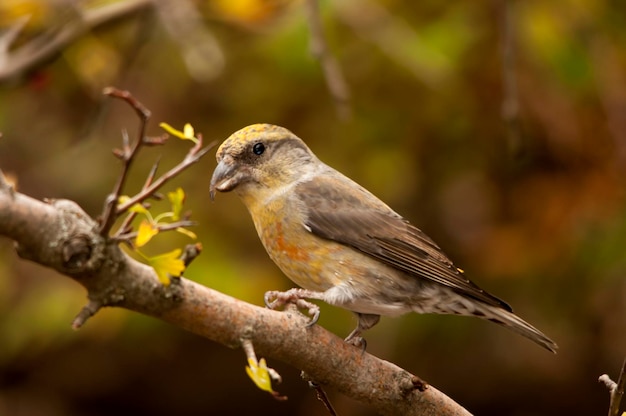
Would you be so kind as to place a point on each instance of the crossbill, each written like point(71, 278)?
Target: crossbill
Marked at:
point(340, 243)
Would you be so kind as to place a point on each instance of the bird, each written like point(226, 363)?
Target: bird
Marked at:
point(341, 244)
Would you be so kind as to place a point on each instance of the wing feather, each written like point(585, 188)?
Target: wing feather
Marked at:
point(343, 211)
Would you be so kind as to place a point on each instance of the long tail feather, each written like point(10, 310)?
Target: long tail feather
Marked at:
point(516, 324)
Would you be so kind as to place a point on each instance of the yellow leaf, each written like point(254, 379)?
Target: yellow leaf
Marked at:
point(145, 233)
point(166, 265)
point(138, 208)
point(187, 133)
point(171, 130)
point(123, 199)
point(188, 233)
point(259, 374)
point(177, 199)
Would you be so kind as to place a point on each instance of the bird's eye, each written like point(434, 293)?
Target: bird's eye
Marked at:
point(258, 148)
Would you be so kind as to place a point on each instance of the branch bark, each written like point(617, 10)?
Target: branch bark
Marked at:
point(60, 235)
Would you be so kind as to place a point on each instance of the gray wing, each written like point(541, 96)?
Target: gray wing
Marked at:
point(339, 211)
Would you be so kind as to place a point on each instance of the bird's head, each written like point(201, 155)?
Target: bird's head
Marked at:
point(260, 158)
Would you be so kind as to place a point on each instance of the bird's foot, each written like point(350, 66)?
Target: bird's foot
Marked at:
point(366, 321)
point(357, 340)
point(275, 299)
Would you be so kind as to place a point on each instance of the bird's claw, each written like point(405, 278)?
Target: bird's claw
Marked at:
point(357, 340)
point(272, 300)
point(275, 299)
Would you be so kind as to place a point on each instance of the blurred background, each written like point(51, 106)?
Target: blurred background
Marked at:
point(499, 128)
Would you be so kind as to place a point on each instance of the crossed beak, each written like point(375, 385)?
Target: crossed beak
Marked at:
point(225, 176)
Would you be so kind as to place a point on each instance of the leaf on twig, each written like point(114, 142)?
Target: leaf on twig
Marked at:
point(166, 265)
point(145, 232)
point(177, 199)
point(187, 232)
point(136, 208)
point(188, 132)
point(139, 209)
point(260, 375)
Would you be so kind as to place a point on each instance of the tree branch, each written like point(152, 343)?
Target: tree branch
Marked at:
point(34, 53)
point(60, 235)
point(127, 154)
point(335, 81)
point(616, 390)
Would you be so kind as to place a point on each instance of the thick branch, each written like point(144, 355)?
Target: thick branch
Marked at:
point(60, 235)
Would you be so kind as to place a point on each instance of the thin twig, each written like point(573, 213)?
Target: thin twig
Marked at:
point(127, 154)
point(319, 391)
point(125, 227)
point(151, 174)
point(335, 81)
point(85, 313)
point(125, 237)
point(616, 390)
point(248, 349)
point(126, 224)
point(190, 252)
point(194, 155)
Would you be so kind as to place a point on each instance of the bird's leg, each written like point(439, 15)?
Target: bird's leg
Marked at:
point(366, 321)
point(275, 299)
